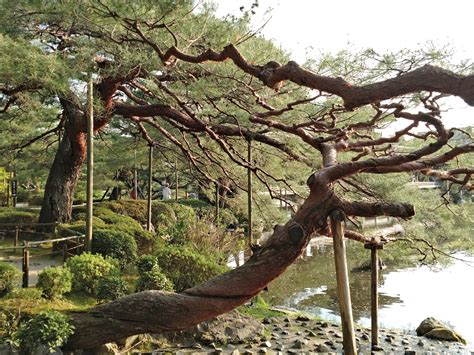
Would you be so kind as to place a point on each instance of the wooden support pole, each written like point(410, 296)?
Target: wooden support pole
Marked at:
point(249, 192)
point(150, 190)
point(374, 245)
point(90, 166)
point(281, 201)
point(135, 176)
point(17, 237)
point(374, 305)
point(342, 276)
point(217, 202)
point(26, 266)
point(176, 178)
point(64, 252)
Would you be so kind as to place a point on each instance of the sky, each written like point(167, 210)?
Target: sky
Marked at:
point(309, 27)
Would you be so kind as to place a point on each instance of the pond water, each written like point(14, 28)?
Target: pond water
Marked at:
point(406, 295)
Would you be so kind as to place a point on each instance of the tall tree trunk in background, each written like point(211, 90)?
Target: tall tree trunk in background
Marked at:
point(66, 169)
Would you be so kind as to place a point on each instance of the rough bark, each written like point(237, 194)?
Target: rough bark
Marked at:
point(66, 168)
point(155, 311)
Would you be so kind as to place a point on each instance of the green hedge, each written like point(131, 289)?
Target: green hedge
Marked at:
point(115, 244)
point(87, 271)
point(9, 277)
point(185, 267)
point(54, 281)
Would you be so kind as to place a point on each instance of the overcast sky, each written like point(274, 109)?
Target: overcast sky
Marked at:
point(314, 26)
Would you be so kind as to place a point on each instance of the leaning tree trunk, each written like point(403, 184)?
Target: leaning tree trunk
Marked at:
point(157, 312)
point(66, 169)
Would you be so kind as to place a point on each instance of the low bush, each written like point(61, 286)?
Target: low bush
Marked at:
point(12, 215)
point(154, 279)
point(115, 244)
point(87, 270)
point(185, 267)
point(162, 216)
point(54, 281)
point(111, 288)
point(9, 277)
point(51, 329)
point(146, 263)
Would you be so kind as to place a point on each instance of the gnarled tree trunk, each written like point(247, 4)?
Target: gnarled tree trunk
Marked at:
point(156, 311)
point(66, 169)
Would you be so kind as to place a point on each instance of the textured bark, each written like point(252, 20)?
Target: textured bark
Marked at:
point(65, 170)
point(155, 311)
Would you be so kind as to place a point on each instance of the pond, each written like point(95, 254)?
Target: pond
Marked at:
point(406, 295)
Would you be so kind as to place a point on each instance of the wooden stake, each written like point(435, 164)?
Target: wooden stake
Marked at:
point(64, 252)
point(26, 266)
point(249, 193)
point(374, 296)
point(17, 237)
point(135, 176)
point(150, 191)
point(217, 202)
point(176, 178)
point(343, 290)
point(90, 166)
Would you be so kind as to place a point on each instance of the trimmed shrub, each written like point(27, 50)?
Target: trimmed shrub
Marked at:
point(162, 216)
point(185, 267)
point(107, 219)
point(154, 279)
point(9, 277)
point(87, 270)
point(51, 329)
point(11, 215)
point(111, 288)
point(146, 263)
point(116, 244)
point(54, 281)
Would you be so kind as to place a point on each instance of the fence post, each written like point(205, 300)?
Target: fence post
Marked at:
point(26, 265)
point(65, 251)
point(17, 237)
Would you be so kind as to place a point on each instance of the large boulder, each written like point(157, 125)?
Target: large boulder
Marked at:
point(434, 329)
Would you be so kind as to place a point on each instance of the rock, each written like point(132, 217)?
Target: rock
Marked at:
point(311, 333)
point(329, 343)
point(405, 342)
point(266, 321)
point(263, 351)
point(299, 344)
point(266, 344)
point(302, 318)
point(321, 348)
point(235, 352)
point(285, 332)
point(445, 334)
point(287, 320)
point(410, 352)
point(337, 335)
point(365, 337)
point(248, 352)
point(434, 329)
point(420, 343)
point(324, 324)
point(376, 348)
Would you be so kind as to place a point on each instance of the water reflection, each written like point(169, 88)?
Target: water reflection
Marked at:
point(406, 296)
